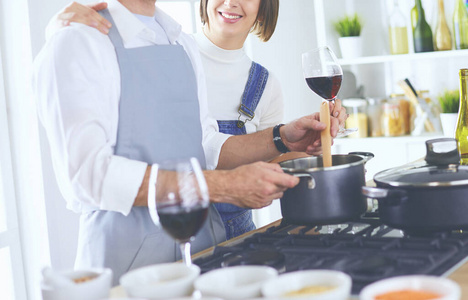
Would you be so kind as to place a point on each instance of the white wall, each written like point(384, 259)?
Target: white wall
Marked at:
point(295, 34)
point(62, 223)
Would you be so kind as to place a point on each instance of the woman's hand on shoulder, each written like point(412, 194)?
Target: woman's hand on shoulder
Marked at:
point(84, 14)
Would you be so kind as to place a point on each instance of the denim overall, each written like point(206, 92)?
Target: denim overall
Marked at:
point(238, 220)
point(159, 119)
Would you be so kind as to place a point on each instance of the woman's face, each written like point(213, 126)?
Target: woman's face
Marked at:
point(230, 21)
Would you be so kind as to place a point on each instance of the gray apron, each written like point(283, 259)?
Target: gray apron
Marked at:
point(159, 119)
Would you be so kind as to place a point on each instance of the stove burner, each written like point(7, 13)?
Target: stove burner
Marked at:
point(367, 251)
point(270, 258)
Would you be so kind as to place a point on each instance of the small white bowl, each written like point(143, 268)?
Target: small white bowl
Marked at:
point(447, 288)
point(96, 284)
point(279, 288)
point(161, 281)
point(239, 282)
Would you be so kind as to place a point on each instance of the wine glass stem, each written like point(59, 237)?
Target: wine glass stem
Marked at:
point(186, 255)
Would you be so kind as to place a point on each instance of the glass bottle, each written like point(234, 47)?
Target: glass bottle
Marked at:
point(397, 31)
point(442, 36)
point(460, 25)
point(414, 17)
point(461, 133)
point(422, 35)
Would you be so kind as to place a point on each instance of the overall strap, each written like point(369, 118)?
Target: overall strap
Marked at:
point(113, 34)
point(258, 77)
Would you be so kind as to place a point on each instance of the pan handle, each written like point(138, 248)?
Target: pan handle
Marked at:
point(443, 151)
point(310, 181)
point(389, 197)
point(365, 155)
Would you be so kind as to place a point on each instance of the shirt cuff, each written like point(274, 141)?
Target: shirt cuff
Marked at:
point(212, 148)
point(121, 184)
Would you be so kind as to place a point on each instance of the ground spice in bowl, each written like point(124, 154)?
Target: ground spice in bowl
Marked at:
point(408, 295)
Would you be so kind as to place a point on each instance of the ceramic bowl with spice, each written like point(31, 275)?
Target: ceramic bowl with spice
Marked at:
point(309, 284)
point(417, 287)
point(237, 282)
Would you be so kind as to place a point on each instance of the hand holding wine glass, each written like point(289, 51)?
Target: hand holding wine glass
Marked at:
point(323, 75)
point(178, 199)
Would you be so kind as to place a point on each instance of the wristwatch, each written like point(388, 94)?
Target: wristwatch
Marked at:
point(280, 146)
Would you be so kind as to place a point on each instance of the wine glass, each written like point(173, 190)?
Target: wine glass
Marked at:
point(178, 200)
point(323, 75)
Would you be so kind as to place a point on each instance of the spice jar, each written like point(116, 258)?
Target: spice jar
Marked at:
point(356, 108)
point(405, 110)
point(392, 119)
point(374, 114)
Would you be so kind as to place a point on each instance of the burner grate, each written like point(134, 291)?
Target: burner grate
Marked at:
point(364, 251)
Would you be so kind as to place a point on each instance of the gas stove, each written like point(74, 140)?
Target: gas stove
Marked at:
point(366, 250)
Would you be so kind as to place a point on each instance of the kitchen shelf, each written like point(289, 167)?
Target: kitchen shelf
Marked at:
point(403, 57)
point(378, 71)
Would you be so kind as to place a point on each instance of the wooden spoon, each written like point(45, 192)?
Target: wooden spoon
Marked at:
point(325, 134)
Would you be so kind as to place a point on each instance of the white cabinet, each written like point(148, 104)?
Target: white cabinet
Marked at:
point(389, 152)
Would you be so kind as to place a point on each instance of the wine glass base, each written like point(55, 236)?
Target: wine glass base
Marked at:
point(345, 132)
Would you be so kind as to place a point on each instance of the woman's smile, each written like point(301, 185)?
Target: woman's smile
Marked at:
point(229, 17)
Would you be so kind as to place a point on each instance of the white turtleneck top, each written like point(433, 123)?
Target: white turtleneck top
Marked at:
point(226, 74)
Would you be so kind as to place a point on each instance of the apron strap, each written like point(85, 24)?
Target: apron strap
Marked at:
point(114, 35)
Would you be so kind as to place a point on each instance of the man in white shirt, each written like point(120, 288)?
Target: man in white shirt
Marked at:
point(104, 139)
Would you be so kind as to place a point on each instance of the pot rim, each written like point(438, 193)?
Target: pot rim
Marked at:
point(433, 184)
point(332, 168)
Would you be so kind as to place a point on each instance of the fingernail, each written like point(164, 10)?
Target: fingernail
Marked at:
point(106, 30)
point(336, 114)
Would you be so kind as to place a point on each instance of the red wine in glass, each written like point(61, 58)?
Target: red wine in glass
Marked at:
point(178, 199)
point(182, 223)
point(325, 86)
point(323, 75)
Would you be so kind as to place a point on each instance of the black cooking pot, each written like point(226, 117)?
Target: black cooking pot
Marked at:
point(325, 195)
point(428, 196)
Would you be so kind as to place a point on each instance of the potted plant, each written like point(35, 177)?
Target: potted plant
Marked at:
point(349, 30)
point(449, 102)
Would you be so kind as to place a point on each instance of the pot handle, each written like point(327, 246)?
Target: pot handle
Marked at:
point(390, 197)
point(443, 151)
point(365, 155)
point(310, 182)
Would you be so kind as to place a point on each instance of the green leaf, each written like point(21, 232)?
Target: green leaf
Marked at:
point(348, 26)
point(449, 101)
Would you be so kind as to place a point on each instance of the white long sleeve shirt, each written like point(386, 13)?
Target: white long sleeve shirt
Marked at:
point(226, 73)
point(77, 89)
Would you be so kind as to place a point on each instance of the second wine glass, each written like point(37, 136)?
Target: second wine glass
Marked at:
point(178, 199)
point(322, 72)
point(323, 75)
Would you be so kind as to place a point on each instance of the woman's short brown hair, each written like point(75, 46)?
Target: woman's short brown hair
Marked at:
point(264, 25)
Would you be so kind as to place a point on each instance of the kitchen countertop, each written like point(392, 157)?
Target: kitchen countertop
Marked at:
point(460, 275)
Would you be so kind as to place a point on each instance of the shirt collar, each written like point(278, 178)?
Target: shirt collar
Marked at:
point(130, 27)
point(210, 49)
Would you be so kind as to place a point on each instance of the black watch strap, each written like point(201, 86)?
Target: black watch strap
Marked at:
point(278, 141)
